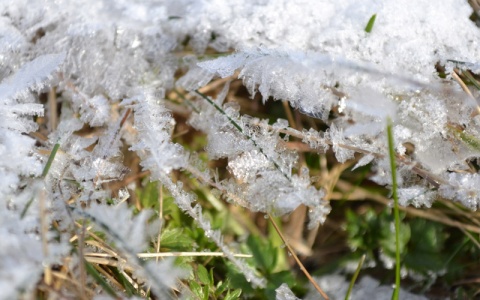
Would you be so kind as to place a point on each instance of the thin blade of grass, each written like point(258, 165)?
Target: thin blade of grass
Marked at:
point(471, 79)
point(129, 288)
point(393, 166)
point(25, 209)
point(370, 23)
point(44, 173)
point(99, 279)
point(355, 276)
point(50, 159)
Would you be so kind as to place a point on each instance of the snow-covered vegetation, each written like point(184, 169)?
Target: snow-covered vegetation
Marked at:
point(92, 94)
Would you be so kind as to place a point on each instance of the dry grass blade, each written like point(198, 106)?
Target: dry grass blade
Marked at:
point(467, 91)
point(300, 264)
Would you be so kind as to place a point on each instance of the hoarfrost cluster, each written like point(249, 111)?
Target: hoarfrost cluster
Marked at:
point(91, 78)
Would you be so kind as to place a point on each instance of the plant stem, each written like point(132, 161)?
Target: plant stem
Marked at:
point(393, 166)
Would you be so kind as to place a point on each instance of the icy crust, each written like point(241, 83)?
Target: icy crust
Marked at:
point(338, 30)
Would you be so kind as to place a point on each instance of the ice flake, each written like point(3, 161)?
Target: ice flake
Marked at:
point(463, 188)
point(418, 196)
point(95, 111)
point(365, 160)
point(338, 144)
point(194, 79)
point(224, 66)
point(245, 166)
point(371, 103)
point(284, 293)
point(31, 76)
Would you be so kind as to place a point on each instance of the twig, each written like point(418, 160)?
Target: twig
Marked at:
point(302, 267)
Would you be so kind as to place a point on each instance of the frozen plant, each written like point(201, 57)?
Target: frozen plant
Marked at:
point(86, 85)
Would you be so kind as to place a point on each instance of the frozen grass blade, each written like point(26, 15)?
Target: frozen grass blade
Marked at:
point(393, 166)
point(99, 279)
point(220, 110)
point(44, 173)
point(355, 276)
point(50, 159)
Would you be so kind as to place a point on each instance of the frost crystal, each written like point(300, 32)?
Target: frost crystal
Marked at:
point(284, 293)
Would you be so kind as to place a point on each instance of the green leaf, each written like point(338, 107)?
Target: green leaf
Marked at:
point(211, 278)
point(426, 250)
point(221, 287)
point(263, 253)
point(203, 275)
point(388, 239)
point(235, 294)
point(237, 280)
point(370, 23)
point(175, 239)
point(196, 289)
point(149, 195)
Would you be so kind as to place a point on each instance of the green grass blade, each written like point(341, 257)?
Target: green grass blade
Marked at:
point(471, 79)
point(129, 288)
point(25, 209)
point(393, 166)
point(370, 23)
point(99, 279)
point(355, 276)
point(44, 173)
point(50, 159)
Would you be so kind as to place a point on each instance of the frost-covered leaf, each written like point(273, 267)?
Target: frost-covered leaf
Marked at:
point(153, 123)
point(31, 76)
